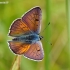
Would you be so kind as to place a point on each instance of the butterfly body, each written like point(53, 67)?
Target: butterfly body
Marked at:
point(29, 38)
point(26, 32)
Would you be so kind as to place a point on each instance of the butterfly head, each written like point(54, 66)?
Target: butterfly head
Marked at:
point(40, 37)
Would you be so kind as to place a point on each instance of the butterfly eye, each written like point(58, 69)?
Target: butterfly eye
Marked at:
point(40, 37)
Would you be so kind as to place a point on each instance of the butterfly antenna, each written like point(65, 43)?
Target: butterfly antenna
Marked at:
point(47, 41)
point(45, 28)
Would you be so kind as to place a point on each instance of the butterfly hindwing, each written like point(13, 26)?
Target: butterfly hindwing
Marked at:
point(35, 51)
point(33, 18)
point(32, 51)
point(18, 47)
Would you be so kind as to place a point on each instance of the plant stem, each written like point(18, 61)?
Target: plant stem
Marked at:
point(68, 19)
point(47, 48)
point(16, 63)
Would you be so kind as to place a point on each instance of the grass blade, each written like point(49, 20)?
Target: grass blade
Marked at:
point(68, 19)
point(16, 63)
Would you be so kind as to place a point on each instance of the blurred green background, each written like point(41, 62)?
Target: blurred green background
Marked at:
point(56, 56)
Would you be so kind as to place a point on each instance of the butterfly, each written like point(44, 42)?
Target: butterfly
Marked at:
point(25, 31)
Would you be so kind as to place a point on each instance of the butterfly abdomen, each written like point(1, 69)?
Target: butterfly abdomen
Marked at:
point(28, 38)
point(24, 40)
point(19, 39)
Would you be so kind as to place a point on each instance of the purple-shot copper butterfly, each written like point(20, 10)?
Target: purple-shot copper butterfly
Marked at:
point(25, 31)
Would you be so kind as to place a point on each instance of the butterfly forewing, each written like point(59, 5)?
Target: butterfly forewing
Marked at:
point(33, 18)
point(18, 28)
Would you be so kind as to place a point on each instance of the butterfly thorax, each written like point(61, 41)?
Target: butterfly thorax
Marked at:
point(31, 38)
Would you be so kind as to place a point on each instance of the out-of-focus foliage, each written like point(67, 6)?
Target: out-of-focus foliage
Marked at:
point(58, 54)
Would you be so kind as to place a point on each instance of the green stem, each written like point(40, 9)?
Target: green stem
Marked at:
point(16, 63)
point(68, 19)
point(47, 47)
